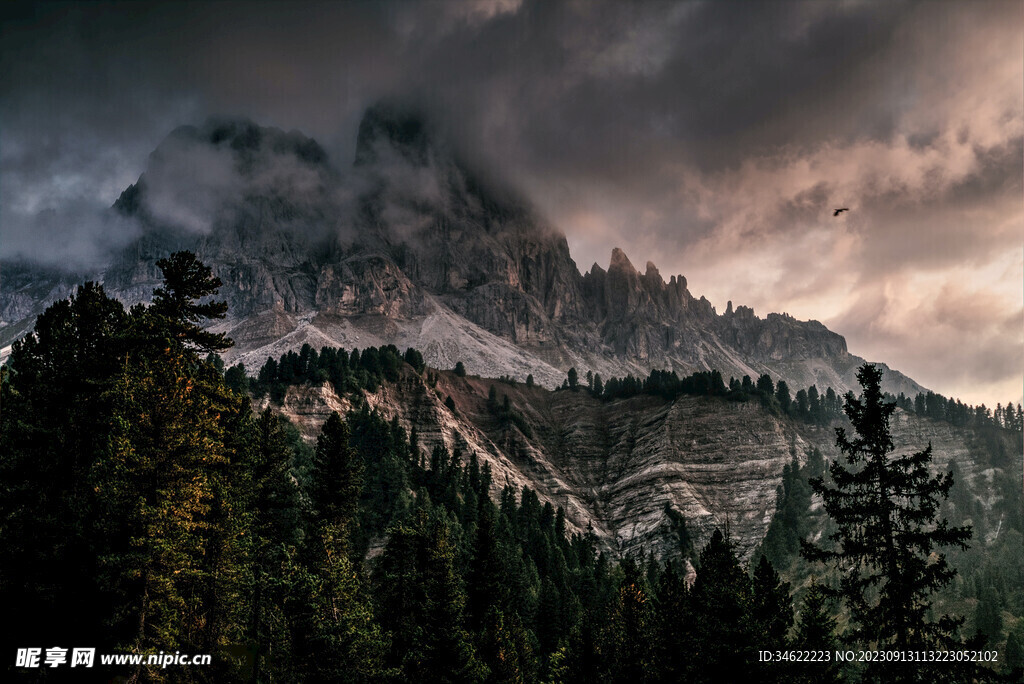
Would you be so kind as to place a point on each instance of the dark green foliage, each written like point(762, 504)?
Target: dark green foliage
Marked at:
point(772, 607)
point(782, 396)
point(506, 413)
point(236, 379)
point(1013, 654)
point(988, 616)
point(723, 636)
point(632, 627)
point(177, 302)
point(460, 369)
point(678, 524)
point(382, 452)
point(335, 633)
point(422, 601)
point(271, 498)
point(937, 407)
point(337, 476)
point(415, 359)
point(346, 372)
point(815, 631)
point(671, 641)
point(118, 443)
point(55, 423)
point(668, 385)
point(791, 521)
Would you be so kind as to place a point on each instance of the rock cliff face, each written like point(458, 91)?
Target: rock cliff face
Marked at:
point(415, 246)
point(619, 467)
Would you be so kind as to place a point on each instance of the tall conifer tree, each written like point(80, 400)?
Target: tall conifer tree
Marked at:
point(887, 536)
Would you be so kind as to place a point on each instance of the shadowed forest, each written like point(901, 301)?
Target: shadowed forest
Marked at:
point(145, 506)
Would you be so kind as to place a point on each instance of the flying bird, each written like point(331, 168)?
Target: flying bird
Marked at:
point(837, 212)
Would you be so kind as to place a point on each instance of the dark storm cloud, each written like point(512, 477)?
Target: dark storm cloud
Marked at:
point(711, 137)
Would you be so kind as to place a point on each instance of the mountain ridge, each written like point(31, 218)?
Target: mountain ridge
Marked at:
point(413, 246)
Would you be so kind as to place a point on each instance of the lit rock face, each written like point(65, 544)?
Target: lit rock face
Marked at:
point(413, 245)
point(618, 467)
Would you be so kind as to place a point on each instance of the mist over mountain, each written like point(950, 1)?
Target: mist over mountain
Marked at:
point(415, 245)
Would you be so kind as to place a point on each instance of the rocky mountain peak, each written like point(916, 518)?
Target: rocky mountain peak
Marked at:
point(210, 179)
point(401, 128)
point(431, 250)
point(620, 263)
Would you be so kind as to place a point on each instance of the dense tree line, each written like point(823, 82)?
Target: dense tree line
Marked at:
point(145, 507)
point(347, 371)
point(808, 405)
point(937, 407)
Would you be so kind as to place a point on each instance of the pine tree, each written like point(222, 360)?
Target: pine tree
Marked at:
point(186, 281)
point(988, 616)
point(815, 631)
point(802, 405)
point(488, 587)
point(632, 623)
point(723, 641)
point(505, 647)
point(782, 394)
point(671, 645)
point(236, 379)
point(159, 486)
point(337, 477)
point(335, 636)
point(422, 601)
point(272, 502)
point(1013, 654)
point(55, 424)
point(791, 521)
point(887, 536)
point(771, 606)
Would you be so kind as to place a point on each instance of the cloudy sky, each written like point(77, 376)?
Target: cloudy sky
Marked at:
point(713, 138)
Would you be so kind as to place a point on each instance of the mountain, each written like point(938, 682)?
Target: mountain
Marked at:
point(628, 469)
point(417, 246)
